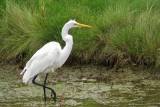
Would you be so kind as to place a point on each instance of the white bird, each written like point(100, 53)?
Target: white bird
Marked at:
point(50, 57)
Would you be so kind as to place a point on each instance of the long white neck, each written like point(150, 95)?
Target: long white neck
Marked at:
point(68, 47)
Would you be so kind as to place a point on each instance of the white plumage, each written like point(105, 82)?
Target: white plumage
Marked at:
point(44, 60)
point(51, 56)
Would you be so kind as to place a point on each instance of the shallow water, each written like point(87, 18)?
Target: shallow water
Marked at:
point(80, 93)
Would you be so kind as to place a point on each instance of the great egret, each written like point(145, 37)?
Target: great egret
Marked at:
point(50, 57)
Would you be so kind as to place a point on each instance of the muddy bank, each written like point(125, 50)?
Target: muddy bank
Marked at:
point(85, 86)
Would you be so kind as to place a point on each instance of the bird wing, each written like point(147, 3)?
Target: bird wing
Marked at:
point(48, 52)
point(41, 60)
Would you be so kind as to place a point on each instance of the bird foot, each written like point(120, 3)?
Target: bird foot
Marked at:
point(53, 95)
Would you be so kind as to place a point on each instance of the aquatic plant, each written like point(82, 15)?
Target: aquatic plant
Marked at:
point(125, 32)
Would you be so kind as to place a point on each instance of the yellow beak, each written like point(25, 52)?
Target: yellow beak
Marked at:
point(82, 25)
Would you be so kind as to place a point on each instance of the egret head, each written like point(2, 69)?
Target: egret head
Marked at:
point(73, 23)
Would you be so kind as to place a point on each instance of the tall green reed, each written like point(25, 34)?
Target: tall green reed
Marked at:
point(125, 31)
point(130, 36)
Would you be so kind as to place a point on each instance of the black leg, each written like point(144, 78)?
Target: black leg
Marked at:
point(44, 89)
point(33, 81)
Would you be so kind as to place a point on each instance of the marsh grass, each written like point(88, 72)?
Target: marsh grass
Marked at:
point(19, 26)
point(130, 36)
point(125, 32)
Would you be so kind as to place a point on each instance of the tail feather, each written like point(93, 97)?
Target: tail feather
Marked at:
point(27, 71)
point(26, 77)
point(27, 66)
point(23, 71)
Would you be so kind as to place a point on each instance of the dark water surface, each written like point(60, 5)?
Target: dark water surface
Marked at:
point(79, 92)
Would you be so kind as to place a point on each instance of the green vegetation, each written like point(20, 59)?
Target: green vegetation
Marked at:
point(126, 32)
